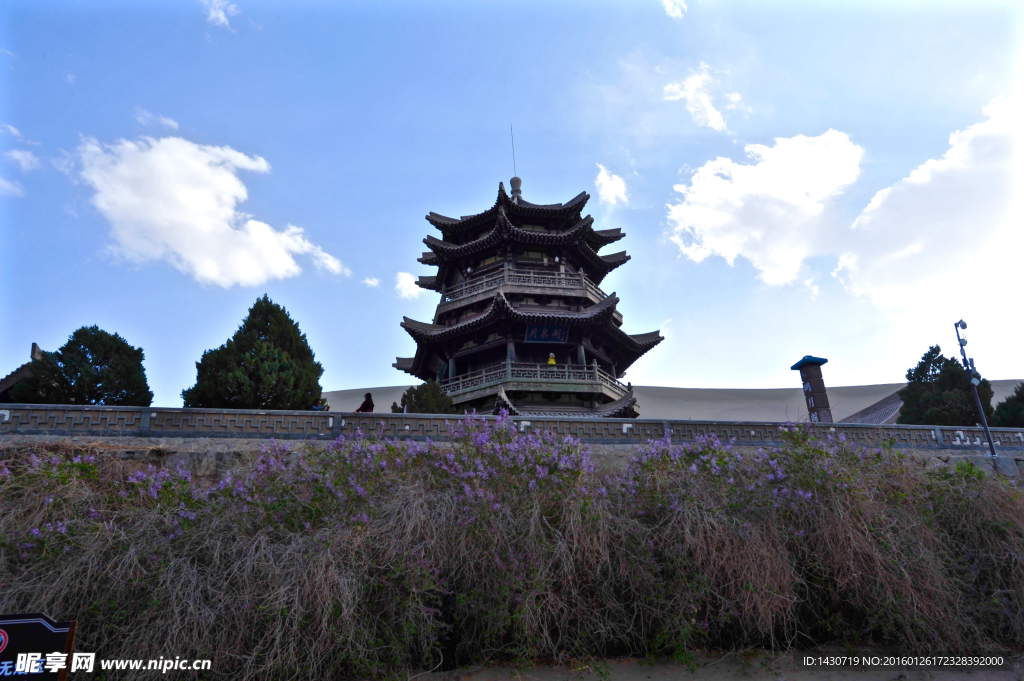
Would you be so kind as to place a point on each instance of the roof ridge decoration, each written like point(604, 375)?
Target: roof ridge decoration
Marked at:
point(524, 208)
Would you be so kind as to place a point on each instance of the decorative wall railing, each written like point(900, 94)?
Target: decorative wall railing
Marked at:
point(149, 422)
point(510, 276)
point(520, 372)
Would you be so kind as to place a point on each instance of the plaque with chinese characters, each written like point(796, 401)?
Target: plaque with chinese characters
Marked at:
point(543, 333)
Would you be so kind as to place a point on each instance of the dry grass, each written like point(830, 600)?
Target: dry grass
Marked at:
point(368, 557)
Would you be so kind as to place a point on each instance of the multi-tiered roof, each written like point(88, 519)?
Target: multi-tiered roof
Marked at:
point(519, 282)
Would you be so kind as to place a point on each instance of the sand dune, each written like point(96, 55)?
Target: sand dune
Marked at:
point(704, 404)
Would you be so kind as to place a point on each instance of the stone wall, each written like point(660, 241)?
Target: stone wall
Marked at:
point(210, 441)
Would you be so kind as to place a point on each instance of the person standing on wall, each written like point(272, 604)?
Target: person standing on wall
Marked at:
point(367, 406)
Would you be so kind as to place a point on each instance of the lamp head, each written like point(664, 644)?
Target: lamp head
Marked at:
point(962, 324)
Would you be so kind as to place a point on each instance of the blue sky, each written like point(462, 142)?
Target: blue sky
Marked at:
point(836, 179)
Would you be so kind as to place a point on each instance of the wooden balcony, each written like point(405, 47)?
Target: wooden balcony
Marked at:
point(533, 378)
point(523, 278)
point(525, 282)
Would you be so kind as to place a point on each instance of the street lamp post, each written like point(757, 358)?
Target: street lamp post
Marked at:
point(975, 381)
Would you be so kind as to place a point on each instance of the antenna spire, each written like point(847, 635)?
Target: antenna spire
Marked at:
point(513, 151)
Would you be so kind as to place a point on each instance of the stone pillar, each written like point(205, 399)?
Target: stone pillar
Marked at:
point(451, 367)
point(581, 355)
point(511, 350)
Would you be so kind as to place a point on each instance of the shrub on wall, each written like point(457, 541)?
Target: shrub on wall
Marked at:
point(426, 398)
point(1010, 412)
point(938, 393)
point(93, 367)
point(267, 364)
point(368, 557)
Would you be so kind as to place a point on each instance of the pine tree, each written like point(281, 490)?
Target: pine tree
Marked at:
point(938, 393)
point(1010, 412)
point(427, 398)
point(93, 367)
point(267, 364)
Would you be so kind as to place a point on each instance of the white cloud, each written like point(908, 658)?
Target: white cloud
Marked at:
point(148, 119)
point(14, 132)
point(696, 90)
point(961, 210)
point(170, 199)
point(9, 54)
point(372, 282)
point(69, 77)
point(735, 102)
point(944, 242)
point(610, 188)
point(405, 286)
point(25, 159)
point(674, 8)
point(9, 188)
point(218, 11)
point(771, 212)
point(65, 164)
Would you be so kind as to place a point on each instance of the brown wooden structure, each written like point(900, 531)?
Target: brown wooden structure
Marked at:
point(818, 409)
point(518, 283)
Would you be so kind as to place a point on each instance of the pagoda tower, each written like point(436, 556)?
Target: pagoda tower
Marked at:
point(520, 286)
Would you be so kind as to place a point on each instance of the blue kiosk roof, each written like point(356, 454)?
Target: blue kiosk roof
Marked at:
point(808, 359)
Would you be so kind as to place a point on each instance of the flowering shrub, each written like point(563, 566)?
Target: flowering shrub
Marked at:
point(368, 556)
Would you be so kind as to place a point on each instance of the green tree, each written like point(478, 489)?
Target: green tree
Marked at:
point(1010, 412)
point(267, 364)
point(93, 367)
point(938, 393)
point(427, 398)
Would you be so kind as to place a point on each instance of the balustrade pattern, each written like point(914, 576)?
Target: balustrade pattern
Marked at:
point(72, 421)
point(510, 276)
point(574, 374)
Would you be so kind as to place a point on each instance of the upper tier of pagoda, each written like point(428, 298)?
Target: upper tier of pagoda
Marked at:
point(453, 228)
point(560, 225)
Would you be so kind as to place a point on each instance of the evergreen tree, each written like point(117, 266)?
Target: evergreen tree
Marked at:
point(267, 364)
point(93, 367)
point(1010, 412)
point(938, 393)
point(427, 398)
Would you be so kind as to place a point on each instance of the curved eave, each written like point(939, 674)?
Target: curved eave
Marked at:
point(429, 283)
point(623, 408)
point(502, 401)
point(504, 230)
point(449, 225)
point(601, 313)
point(632, 347)
point(601, 265)
point(603, 237)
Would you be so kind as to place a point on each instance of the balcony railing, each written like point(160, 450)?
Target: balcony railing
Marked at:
point(519, 372)
point(522, 278)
